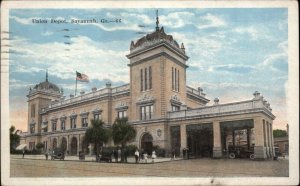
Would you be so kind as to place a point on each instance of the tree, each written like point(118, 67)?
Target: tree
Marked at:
point(97, 135)
point(14, 137)
point(122, 132)
point(39, 146)
point(279, 133)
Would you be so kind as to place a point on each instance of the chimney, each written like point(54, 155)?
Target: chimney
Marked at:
point(82, 92)
point(200, 91)
point(71, 96)
point(256, 95)
point(216, 100)
point(108, 85)
point(94, 89)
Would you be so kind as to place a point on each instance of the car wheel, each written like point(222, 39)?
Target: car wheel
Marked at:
point(231, 155)
point(252, 156)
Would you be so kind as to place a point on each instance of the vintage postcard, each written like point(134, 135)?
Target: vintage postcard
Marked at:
point(149, 93)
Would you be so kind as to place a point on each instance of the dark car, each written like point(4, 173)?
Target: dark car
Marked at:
point(57, 154)
point(277, 153)
point(105, 156)
point(240, 152)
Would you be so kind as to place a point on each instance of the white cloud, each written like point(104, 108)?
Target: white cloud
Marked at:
point(85, 55)
point(24, 21)
point(47, 33)
point(176, 19)
point(211, 21)
point(252, 31)
point(276, 60)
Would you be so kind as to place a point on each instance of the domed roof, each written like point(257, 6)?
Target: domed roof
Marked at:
point(46, 85)
point(158, 35)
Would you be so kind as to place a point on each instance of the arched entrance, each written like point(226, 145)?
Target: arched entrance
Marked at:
point(146, 143)
point(63, 145)
point(54, 143)
point(74, 146)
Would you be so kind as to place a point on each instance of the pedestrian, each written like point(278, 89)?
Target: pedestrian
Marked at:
point(145, 157)
point(136, 155)
point(173, 154)
point(125, 154)
point(116, 155)
point(46, 155)
point(23, 153)
point(119, 154)
point(153, 156)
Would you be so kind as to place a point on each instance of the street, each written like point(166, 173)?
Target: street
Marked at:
point(35, 167)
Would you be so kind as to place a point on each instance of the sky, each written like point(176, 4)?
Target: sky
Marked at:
point(233, 52)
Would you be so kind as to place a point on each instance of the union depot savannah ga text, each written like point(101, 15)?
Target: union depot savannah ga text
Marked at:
point(158, 103)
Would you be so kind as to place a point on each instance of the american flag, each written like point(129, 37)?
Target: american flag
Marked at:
point(82, 77)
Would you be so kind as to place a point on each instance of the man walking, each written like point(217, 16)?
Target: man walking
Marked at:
point(23, 153)
point(136, 155)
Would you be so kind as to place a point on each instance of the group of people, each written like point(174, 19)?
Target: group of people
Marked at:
point(117, 153)
point(143, 156)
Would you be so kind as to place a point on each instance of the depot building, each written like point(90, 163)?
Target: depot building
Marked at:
point(163, 109)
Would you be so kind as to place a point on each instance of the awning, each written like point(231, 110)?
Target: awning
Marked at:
point(21, 147)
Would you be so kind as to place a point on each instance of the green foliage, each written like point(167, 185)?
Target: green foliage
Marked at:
point(131, 149)
point(159, 151)
point(279, 133)
point(39, 146)
point(97, 134)
point(14, 138)
point(122, 132)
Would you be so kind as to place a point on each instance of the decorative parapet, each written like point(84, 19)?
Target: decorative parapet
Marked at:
point(224, 109)
point(94, 94)
point(197, 94)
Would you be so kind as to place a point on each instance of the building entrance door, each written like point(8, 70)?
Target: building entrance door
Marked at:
point(146, 143)
point(63, 145)
point(54, 144)
point(200, 140)
point(74, 146)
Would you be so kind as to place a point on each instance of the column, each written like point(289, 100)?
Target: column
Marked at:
point(217, 149)
point(183, 139)
point(267, 139)
point(272, 142)
point(78, 143)
point(259, 149)
point(248, 138)
point(68, 145)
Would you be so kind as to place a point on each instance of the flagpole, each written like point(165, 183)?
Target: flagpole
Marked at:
point(76, 84)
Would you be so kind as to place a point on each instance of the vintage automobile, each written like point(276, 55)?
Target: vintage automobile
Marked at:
point(57, 154)
point(277, 153)
point(240, 152)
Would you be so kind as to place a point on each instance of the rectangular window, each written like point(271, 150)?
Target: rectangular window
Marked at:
point(175, 80)
point(33, 110)
point(32, 128)
point(73, 123)
point(84, 122)
point(122, 114)
point(63, 125)
point(146, 88)
point(31, 145)
point(178, 80)
point(142, 83)
point(175, 107)
point(54, 126)
point(146, 112)
point(172, 78)
point(150, 78)
point(97, 117)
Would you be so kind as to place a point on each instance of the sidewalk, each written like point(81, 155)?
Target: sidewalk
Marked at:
point(93, 159)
